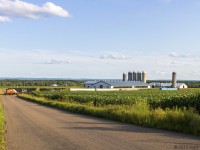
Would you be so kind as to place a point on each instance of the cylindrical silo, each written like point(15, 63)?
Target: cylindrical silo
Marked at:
point(125, 77)
point(144, 77)
point(130, 76)
point(174, 80)
point(134, 76)
point(139, 76)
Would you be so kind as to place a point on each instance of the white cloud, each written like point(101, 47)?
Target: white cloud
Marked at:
point(174, 62)
point(56, 61)
point(19, 8)
point(4, 19)
point(173, 54)
point(113, 55)
point(176, 55)
point(45, 63)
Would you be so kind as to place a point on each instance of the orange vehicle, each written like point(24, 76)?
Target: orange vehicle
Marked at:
point(10, 92)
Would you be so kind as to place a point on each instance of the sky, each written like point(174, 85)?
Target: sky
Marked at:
point(100, 39)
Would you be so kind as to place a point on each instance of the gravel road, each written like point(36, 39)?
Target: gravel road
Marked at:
point(34, 127)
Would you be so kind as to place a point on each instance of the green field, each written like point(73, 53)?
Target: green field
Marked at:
point(171, 110)
point(2, 125)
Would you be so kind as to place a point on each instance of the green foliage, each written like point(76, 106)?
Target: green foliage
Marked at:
point(192, 84)
point(2, 129)
point(35, 83)
point(155, 98)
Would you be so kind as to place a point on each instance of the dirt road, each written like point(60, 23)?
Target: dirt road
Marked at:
point(34, 127)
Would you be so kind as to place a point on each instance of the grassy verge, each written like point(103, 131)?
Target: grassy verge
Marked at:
point(176, 119)
point(2, 125)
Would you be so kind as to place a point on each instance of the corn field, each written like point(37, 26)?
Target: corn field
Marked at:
point(155, 98)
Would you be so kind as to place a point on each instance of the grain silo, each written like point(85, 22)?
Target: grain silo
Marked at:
point(134, 76)
point(139, 76)
point(130, 76)
point(174, 80)
point(125, 78)
point(144, 76)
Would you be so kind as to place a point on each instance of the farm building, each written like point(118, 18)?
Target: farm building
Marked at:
point(110, 84)
point(168, 85)
point(53, 85)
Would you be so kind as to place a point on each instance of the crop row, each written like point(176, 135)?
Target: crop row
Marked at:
point(155, 98)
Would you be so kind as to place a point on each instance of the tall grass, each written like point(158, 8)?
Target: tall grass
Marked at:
point(2, 127)
point(175, 119)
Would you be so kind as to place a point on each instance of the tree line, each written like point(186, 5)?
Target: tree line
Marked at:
point(16, 83)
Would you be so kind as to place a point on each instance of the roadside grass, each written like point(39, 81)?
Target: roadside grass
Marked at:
point(175, 119)
point(2, 126)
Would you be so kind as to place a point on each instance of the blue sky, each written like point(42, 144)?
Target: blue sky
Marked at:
point(99, 38)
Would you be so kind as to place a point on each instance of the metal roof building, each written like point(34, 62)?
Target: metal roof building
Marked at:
point(115, 84)
point(168, 85)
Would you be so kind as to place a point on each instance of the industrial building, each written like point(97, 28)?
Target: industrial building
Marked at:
point(133, 80)
point(125, 78)
point(135, 76)
point(130, 76)
point(174, 84)
point(173, 80)
point(168, 85)
point(110, 84)
point(144, 77)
